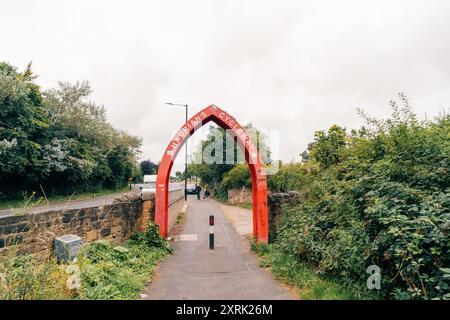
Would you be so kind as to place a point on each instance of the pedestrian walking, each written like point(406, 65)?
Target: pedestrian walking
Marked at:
point(198, 189)
point(206, 192)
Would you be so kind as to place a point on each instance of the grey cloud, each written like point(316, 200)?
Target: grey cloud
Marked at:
point(298, 66)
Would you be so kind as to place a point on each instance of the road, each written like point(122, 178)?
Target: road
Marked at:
point(76, 204)
point(67, 205)
point(230, 271)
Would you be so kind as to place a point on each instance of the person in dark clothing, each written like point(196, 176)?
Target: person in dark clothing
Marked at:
point(206, 192)
point(198, 189)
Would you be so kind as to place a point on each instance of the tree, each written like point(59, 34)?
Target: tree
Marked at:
point(327, 146)
point(213, 173)
point(236, 178)
point(97, 154)
point(219, 172)
point(59, 140)
point(23, 128)
point(149, 167)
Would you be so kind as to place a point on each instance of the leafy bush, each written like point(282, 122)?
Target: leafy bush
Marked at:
point(58, 141)
point(106, 271)
point(293, 176)
point(308, 284)
point(379, 195)
point(226, 170)
point(111, 271)
point(151, 238)
point(23, 277)
point(116, 272)
point(237, 177)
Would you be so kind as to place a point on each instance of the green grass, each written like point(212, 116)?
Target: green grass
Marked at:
point(180, 219)
point(33, 200)
point(103, 270)
point(244, 205)
point(23, 277)
point(304, 280)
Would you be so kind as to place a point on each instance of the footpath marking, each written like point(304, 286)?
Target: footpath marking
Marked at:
point(188, 237)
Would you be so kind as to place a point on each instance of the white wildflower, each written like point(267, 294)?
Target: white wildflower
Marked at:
point(6, 145)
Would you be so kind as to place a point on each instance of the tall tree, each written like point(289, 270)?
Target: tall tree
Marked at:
point(213, 171)
point(59, 140)
point(149, 167)
point(23, 127)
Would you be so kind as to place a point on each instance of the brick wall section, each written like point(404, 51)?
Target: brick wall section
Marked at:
point(276, 203)
point(34, 233)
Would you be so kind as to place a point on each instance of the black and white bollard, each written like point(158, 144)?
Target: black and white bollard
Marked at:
point(211, 232)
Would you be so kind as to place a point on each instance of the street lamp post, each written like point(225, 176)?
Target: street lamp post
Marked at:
point(185, 154)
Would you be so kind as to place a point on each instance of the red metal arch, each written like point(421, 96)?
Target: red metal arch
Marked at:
point(252, 157)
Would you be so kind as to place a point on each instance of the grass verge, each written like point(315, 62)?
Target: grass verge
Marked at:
point(102, 271)
point(304, 280)
point(243, 205)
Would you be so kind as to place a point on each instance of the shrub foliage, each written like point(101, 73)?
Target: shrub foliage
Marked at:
point(378, 195)
point(106, 271)
point(58, 141)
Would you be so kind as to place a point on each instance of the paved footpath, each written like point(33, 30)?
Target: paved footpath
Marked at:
point(230, 271)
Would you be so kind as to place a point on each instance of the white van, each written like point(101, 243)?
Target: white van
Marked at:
point(149, 184)
point(150, 179)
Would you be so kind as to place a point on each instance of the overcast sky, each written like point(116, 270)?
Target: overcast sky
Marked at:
point(297, 66)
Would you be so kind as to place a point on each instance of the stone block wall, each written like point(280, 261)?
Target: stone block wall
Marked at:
point(34, 233)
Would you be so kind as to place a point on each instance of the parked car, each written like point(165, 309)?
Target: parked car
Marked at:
point(190, 189)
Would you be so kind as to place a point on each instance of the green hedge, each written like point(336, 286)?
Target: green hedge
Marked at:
point(376, 196)
point(58, 142)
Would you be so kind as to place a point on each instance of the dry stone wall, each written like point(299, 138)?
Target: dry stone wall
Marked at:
point(34, 233)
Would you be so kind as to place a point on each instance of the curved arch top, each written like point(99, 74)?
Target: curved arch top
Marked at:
point(252, 157)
